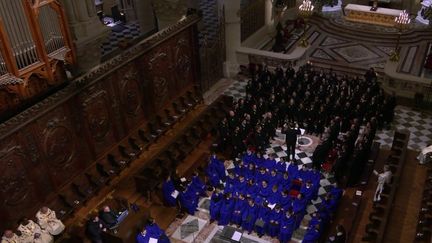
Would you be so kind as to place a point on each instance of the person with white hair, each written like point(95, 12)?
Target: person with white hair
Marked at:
point(383, 178)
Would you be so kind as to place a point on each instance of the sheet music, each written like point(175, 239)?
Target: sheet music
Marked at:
point(175, 194)
point(182, 179)
point(302, 131)
point(236, 236)
point(153, 240)
point(271, 206)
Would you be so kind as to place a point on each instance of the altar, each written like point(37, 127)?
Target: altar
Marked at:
point(363, 14)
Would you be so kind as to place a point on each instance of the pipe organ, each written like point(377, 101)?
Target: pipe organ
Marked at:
point(34, 46)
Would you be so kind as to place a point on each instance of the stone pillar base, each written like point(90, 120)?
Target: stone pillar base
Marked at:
point(230, 69)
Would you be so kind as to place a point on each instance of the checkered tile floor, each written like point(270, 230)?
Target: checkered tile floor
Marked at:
point(130, 31)
point(419, 124)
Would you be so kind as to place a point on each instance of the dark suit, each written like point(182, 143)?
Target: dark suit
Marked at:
point(94, 231)
point(291, 140)
point(109, 218)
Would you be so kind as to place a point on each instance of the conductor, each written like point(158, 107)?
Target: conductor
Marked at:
point(291, 133)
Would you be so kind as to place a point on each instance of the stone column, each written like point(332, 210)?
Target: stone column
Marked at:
point(232, 36)
point(87, 32)
point(145, 15)
point(269, 18)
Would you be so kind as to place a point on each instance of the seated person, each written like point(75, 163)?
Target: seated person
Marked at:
point(9, 237)
point(32, 232)
point(94, 229)
point(108, 216)
point(152, 230)
point(340, 236)
point(47, 219)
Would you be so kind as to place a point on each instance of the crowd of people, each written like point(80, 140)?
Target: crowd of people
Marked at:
point(257, 194)
point(42, 231)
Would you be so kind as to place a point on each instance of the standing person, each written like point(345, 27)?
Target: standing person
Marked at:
point(9, 237)
point(291, 139)
point(48, 220)
point(383, 178)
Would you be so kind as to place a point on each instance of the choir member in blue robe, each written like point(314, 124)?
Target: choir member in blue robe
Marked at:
point(315, 220)
point(287, 226)
point(293, 170)
point(249, 216)
point(252, 189)
point(274, 197)
point(240, 169)
point(215, 171)
point(262, 218)
point(275, 220)
point(273, 178)
point(285, 200)
point(240, 186)
point(197, 185)
point(312, 235)
point(307, 191)
point(299, 205)
point(280, 166)
point(248, 157)
point(304, 174)
point(188, 200)
point(230, 183)
point(285, 181)
point(168, 189)
point(261, 176)
point(239, 206)
point(270, 163)
point(154, 231)
point(259, 160)
point(315, 177)
point(264, 190)
point(215, 204)
point(226, 209)
point(250, 172)
point(143, 237)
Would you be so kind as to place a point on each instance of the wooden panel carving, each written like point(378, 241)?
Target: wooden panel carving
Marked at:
point(16, 194)
point(48, 145)
point(96, 109)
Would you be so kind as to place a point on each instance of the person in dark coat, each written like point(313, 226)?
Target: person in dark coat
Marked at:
point(291, 139)
point(94, 229)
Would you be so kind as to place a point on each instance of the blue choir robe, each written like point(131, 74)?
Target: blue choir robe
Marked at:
point(249, 217)
point(315, 220)
point(197, 185)
point(285, 184)
point(260, 177)
point(213, 175)
point(167, 189)
point(273, 180)
point(252, 191)
point(292, 170)
point(304, 174)
point(215, 205)
point(336, 192)
point(263, 214)
point(264, 193)
point(270, 164)
point(275, 220)
point(225, 212)
point(230, 184)
point(274, 197)
point(312, 235)
point(280, 167)
point(260, 162)
point(240, 188)
point(154, 231)
point(217, 166)
point(140, 238)
point(239, 206)
point(308, 192)
point(240, 170)
point(299, 208)
point(287, 228)
point(189, 201)
point(248, 158)
point(285, 201)
point(250, 174)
